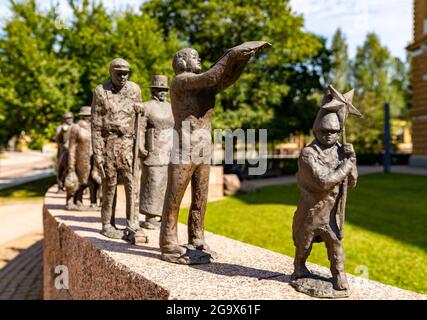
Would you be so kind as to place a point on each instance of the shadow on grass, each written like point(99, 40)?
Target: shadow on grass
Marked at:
point(33, 189)
point(394, 205)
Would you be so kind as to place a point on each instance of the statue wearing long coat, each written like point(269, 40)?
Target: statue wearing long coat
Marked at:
point(82, 172)
point(156, 139)
point(320, 174)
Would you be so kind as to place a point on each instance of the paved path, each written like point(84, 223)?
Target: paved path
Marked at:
point(20, 167)
point(21, 268)
point(19, 219)
point(21, 258)
point(284, 180)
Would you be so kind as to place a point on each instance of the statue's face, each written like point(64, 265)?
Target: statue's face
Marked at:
point(327, 137)
point(85, 118)
point(193, 62)
point(119, 78)
point(69, 121)
point(160, 94)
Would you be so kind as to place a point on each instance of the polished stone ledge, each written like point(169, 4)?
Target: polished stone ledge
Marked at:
point(100, 268)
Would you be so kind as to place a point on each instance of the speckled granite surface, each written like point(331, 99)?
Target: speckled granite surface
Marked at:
point(101, 268)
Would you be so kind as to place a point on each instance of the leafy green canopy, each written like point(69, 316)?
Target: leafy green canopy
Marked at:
point(277, 89)
point(48, 66)
point(378, 78)
point(36, 85)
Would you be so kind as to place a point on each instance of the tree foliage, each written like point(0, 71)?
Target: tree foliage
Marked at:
point(49, 67)
point(378, 78)
point(275, 83)
point(36, 86)
point(340, 63)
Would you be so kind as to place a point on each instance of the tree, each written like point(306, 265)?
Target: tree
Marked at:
point(36, 86)
point(378, 78)
point(339, 75)
point(48, 68)
point(87, 41)
point(140, 41)
point(291, 66)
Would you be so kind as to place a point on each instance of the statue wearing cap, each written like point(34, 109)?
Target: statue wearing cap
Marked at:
point(82, 172)
point(62, 138)
point(116, 108)
point(156, 143)
point(323, 165)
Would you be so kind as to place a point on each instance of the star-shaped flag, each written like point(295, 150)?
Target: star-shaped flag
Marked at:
point(340, 101)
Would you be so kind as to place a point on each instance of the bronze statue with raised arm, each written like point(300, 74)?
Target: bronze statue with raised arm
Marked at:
point(193, 99)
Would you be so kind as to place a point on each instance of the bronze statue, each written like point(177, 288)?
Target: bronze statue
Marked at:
point(325, 169)
point(193, 99)
point(62, 137)
point(82, 172)
point(116, 108)
point(156, 134)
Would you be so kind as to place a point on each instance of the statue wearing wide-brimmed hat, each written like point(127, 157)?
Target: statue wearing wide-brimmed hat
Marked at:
point(156, 143)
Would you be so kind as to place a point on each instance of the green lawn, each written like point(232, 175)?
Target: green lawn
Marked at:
point(385, 231)
point(34, 190)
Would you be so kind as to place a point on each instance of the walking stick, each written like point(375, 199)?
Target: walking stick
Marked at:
point(133, 215)
point(344, 188)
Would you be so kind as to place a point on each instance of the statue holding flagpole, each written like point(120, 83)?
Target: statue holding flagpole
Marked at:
point(326, 169)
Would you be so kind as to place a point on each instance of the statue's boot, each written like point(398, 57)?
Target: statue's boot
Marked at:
point(112, 232)
point(136, 235)
point(79, 206)
point(182, 255)
point(339, 281)
point(93, 207)
point(300, 271)
point(151, 223)
point(72, 207)
point(199, 244)
point(70, 203)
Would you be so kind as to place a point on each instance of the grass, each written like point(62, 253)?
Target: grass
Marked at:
point(385, 231)
point(34, 190)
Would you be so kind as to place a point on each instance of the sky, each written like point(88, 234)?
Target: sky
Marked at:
point(390, 19)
